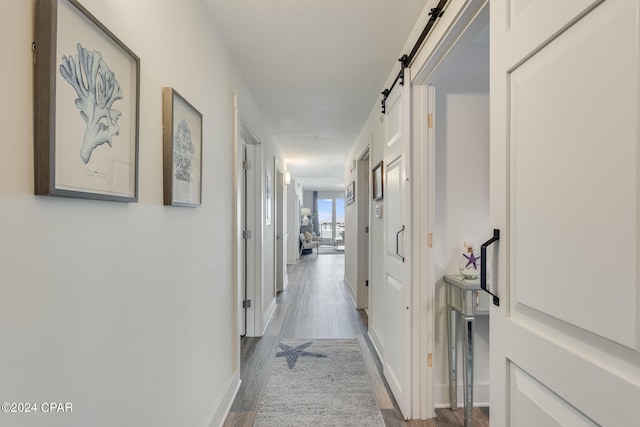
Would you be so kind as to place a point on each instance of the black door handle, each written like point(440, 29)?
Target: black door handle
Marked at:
point(397, 245)
point(483, 265)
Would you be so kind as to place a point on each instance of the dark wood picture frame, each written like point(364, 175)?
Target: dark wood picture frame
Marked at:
point(377, 182)
point(182, 150)
point(86, 106)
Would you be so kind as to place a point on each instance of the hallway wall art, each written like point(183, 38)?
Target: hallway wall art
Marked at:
point(377, 182)
point(182, 151)
point(350, 194)
point(86, 107)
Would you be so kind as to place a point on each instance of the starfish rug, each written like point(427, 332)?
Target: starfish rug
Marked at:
point(318, 383)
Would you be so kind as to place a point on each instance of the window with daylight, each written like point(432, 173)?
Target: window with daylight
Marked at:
point(331, 220)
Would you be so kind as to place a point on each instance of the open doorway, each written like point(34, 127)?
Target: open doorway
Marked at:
point(248, 259)
point(362, 234)
point(455, 89)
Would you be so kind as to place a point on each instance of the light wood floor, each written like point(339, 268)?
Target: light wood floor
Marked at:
point(316, 304)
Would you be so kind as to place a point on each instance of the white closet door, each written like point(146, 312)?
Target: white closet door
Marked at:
point(565, 110)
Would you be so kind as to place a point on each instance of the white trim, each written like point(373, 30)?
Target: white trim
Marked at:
point(279, 225)
point(480, 395)
point(237, 221)
point(219, 417)
point(424, 318)
point(270, 312)
point(351, 291)
point(375, 342)
point(244, 134)
point(363, 209)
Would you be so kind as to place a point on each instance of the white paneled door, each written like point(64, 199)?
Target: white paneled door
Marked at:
point(565, 114)
point(397, 282)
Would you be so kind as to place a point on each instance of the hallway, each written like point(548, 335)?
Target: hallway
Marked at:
point(315, 305)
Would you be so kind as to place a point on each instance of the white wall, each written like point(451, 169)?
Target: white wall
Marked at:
point(128, 311)
point(462, 214)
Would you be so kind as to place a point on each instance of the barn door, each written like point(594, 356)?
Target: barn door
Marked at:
point(397, 283)
point(565, 109)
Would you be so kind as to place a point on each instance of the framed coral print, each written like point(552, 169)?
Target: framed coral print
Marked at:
point(377, 182)
point(86, 106)
point(182, 142)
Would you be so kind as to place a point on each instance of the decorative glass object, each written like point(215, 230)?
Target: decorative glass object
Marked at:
point(469, 263)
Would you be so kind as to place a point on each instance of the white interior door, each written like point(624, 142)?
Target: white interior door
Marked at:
point(397, 282)
point(248, 250)
point(280, 260)
point(565, 339)
point(243, 241)
point(365, 246)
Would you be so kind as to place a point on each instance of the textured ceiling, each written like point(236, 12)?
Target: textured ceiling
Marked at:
point(315, 68)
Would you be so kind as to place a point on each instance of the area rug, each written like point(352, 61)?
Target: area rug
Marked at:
point(318, 383)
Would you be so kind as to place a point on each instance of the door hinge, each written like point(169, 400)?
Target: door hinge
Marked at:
point(430, 239)
point(246, 234)
point(366, 229)
point(246, 303)
point(430, 121)
point(430, 360)
point(366, 283)
point(246, 165)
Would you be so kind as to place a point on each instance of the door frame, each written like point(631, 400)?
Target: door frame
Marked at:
point(280, 258)
point(243, 134)
point(247, 251)
point(423, 208)
point(363, 208)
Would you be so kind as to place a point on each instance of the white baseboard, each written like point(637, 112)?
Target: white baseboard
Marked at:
point(272, 310)
point(375, 341)
point(222, 410)
point(351, 291)
point(441, 395)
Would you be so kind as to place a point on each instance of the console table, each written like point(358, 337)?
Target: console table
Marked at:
point(465, 300)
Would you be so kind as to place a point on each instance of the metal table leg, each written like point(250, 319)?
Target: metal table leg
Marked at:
point(452, 330)
point(467, 370)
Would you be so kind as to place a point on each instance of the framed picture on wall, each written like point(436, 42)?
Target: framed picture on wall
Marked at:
point(377, 182)
point(86, 112)
point(182, 150)
point(267, 198)
point(350, 194)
